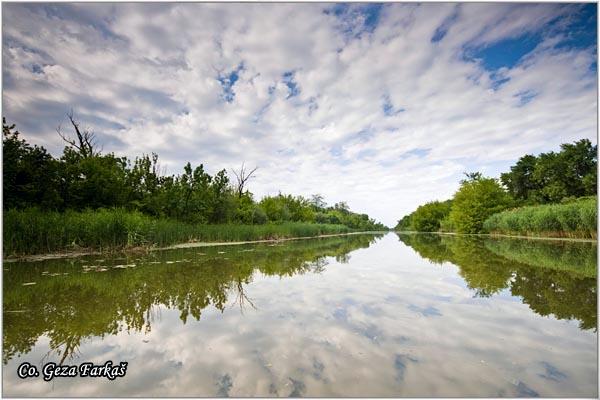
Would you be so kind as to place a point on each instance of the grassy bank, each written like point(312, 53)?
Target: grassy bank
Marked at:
point(35, 232)
point(576, 219)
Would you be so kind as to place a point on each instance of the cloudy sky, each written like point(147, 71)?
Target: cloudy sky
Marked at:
point(384, 106)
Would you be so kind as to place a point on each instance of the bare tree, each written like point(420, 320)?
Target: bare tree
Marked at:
point(242, 298)
point(242, 177)
point(86, 143)
point(318, 201)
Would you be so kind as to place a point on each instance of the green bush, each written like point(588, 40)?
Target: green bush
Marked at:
point(476, 199)
point(428, 217)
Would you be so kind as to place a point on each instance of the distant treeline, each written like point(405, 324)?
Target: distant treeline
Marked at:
point(85, 179)
point(541, 193)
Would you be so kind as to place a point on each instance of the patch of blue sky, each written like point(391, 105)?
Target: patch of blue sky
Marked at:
point(442, 30)
point(581, 32)
point(356, 19)
point(227, 82)
point(292, 85)
point(388, 108)
point(505, 53)
point(525, 97)
point(578, 30)
point(37, 69)
point(498, 79)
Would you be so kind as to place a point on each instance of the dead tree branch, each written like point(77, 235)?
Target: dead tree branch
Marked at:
point(242, 177)
point(85, 144)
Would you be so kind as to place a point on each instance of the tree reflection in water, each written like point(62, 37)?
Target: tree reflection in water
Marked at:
point(75, 299)
point(552, 277)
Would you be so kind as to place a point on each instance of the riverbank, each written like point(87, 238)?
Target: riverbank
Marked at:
point(575, 219)
point(501, 235)
point(87, 252)
point(34, 232)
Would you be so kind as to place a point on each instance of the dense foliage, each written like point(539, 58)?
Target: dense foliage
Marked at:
point(83, 178)
point(572, 219)
point(551, 177)
point(554, 177)
point(476, 200)
point(427, 218)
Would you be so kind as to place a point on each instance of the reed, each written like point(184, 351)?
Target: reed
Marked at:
point(575, 219)
point(32, 231)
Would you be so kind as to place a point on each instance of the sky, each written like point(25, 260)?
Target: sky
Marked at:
point(384, 106)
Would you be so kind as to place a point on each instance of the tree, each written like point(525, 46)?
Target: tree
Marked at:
point(84, 178)
point(86, 140)
point(476, 199)
point(242, 177)
point(580, 160)
point(520, 181)
point(317, 201)
point(342, 206)
point(551, 177)
point(427, 217)
point(30, 174)
point(404, 224)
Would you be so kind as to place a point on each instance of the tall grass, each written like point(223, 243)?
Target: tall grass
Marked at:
point(576, 219)
point(33, 231)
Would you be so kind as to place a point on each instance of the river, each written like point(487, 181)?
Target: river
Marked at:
point(402, 315)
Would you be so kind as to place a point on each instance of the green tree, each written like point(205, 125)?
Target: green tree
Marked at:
point(93, 181)
point(427, 217)
point(84, 178)
point(520, 181)
point(404, 224)
point(476, 199)
point(29, 173)
point(551, 177)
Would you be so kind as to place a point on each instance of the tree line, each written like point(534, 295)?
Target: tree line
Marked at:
point(549, 178)
point(85, 178)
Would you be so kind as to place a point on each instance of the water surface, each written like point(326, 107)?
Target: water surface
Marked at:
point(364, 315)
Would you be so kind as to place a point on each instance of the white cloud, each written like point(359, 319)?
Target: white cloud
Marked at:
point(146, 77)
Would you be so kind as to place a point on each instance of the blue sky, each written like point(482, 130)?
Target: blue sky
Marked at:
point(381, 105)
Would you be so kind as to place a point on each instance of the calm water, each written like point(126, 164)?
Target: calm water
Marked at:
point(388, 315)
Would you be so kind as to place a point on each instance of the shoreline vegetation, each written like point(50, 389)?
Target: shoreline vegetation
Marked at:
point(34, 232)
point(502, 235)
point(73, 252)
point(86, 199)
point(552, 195)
